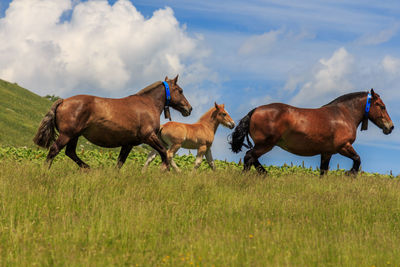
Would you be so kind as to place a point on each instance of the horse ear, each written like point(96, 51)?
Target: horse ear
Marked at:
point(166, 78)
point(176, 79)
point(373, 93)
point(216, 105)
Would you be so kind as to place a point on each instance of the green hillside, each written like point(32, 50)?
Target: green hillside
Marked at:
point(20, 114)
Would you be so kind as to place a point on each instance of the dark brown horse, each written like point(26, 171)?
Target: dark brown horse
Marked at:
point(327, 130)
point(106, 122)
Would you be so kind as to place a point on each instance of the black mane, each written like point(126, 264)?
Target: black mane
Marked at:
point(346, 97)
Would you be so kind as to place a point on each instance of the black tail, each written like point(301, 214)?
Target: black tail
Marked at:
point(46, 133)
point(241, 131)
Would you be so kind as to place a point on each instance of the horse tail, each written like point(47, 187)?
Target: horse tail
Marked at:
point(46, 133)
point(241, 131)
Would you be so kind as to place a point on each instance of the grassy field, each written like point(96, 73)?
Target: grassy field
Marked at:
point(104, 217)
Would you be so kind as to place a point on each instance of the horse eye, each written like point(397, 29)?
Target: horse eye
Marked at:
point(223, 114)
point(383, 107)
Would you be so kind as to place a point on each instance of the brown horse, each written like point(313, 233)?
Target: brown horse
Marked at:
point(199, 135)
point(106, 122)
point(327, 130)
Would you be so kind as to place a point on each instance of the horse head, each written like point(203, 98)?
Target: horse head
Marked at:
point(178, 100)
point(378, 114)
point(222, 116)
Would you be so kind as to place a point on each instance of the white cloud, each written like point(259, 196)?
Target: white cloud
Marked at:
point(260, 43)
point(391, 64)
point(376, 38)
point(330, 78)
point(111, 48)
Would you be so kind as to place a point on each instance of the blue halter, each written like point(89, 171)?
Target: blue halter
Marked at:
point(368, 104)
point(167, 93)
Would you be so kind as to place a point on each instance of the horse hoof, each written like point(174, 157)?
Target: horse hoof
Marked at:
point(351, 173)
point(164, 168)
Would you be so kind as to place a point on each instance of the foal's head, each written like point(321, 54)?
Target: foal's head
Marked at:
point(222, 116)
point(178, 100)
point(378, 114)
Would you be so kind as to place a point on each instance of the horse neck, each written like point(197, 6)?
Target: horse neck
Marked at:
point(356, 108)
point(156, 96)
point(208, 121)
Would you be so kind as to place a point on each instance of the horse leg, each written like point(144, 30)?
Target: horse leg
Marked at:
point(155, 143)
point(348, 151)
point(200, 153)
point(251, 157)
point(152, 155)
point(210, 159)
point(70, 151)
point(170, 155)
point(58, 145)
point(173, 164)
point(123, 154)
point(325, 158)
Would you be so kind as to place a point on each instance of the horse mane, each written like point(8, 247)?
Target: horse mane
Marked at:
point(149, 88)
point(207, 114)
point(346, 97)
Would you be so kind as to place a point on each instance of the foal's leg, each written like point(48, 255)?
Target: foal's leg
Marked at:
point(251, 157)
point(200, 153)
point(210, 159)
point(325, 158)
point(155, 143)
point(348, 151)
point(57, 146)
point(152, 155)
point(70, 151)
point(170, 155)
point(123, 154)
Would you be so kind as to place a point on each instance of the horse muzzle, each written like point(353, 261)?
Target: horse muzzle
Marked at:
point(388, 130)
point(186, 111)
point(229, 125)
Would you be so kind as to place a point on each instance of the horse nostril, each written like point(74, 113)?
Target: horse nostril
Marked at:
point(391, 128)
point(190, 110)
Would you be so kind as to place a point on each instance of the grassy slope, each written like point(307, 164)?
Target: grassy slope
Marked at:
point(20, 114)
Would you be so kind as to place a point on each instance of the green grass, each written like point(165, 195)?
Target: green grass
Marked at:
point(65, 216)
point(20, 114)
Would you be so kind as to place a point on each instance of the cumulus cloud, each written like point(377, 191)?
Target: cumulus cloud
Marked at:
point(113, 49)
point(330, 78)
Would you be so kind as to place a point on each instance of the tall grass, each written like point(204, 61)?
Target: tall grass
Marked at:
point(65, 216)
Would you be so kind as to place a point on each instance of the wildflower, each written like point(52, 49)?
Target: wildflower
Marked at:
point(251, 236)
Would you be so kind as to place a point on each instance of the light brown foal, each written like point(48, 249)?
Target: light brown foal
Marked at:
point(199, 135)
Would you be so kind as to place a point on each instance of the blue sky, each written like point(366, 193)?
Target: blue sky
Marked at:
point(241, 53)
